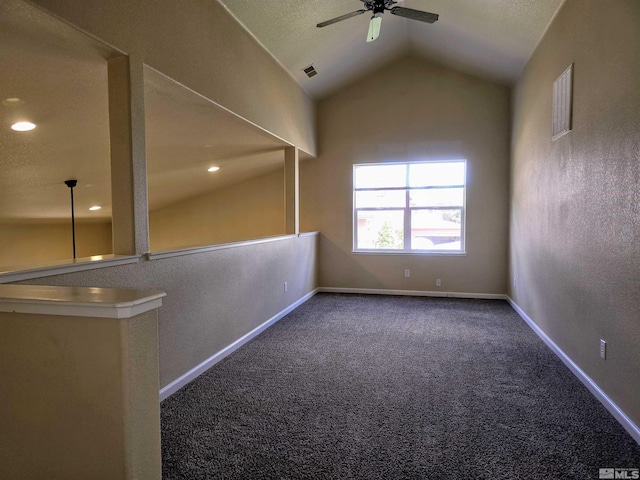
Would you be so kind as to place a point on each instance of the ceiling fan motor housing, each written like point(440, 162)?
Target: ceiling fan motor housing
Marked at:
point(378, 6)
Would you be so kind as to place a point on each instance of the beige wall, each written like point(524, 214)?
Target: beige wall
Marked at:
point(216, 297)
point(575, 214)
point(79, 397)
point(25, 244)
point(412, 110)
point(213, 298)
point(248, 210)
point(198, 44)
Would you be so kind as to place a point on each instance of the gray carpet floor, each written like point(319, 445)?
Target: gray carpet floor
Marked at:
point(382, 387)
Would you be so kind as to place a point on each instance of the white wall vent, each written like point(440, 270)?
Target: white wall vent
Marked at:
point(562, 103)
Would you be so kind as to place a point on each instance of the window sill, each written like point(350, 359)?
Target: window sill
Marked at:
point(404, 252)
point(61, 267)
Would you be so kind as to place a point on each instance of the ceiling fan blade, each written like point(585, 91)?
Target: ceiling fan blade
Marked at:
point(340, 18)
point(415, 14)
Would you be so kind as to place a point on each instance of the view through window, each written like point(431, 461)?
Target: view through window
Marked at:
point(416, 207)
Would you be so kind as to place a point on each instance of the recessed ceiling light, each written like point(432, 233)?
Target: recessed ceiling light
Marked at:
point(12, 101)
point(23, 126)
point(213, 169)
point(95, 207)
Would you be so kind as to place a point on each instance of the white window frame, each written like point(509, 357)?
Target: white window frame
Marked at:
point(408, 209)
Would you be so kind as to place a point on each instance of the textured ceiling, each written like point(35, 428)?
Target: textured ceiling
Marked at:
point(488, 38)
point(186, 133)
point(60, 77)
point(71, 140)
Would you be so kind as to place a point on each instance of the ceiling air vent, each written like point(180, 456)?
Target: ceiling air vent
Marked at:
point(310, 71)
point(562, 103)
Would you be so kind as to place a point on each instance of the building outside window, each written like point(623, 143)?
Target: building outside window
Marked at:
point(416, 207)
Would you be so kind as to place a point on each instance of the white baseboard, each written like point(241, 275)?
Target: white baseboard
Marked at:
point(414, 293)
point(588, 382)
point(593, 387)
point(198, 370)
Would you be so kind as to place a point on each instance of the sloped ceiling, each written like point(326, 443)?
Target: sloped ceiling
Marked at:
point(492, 39)
point(186, 133)
point(488, 38)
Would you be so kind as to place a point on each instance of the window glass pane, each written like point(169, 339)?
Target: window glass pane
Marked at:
point(436, 229)
point(381, 198)
point(380, 229)
point(437, 197)
point(374, 176)
point(436, 173)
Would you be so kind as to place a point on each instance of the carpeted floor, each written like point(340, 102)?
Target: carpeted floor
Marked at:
point(381, 387)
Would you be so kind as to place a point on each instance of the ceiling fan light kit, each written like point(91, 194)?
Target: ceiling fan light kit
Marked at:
point(374, 27)
point(378, 8)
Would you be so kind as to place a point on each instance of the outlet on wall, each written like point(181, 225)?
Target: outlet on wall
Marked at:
point(407, 272)
point(286, 286)
point(438, 282)
point(514, 282)
point(603, 349)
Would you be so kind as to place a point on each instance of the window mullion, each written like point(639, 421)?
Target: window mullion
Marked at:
point(407, 213)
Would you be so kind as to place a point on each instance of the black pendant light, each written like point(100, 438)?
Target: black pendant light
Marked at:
point(71, 184)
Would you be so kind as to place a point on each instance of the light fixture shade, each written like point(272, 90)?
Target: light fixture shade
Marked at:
point(374, 27)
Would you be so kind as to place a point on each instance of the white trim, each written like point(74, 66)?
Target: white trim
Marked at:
point(588, 382)
point(407, 209)
point(414, 293)
point(78, 301)
point(198, 370)
point(426, 253)
point(224, 246)
point(70, 309)
point(65, 266)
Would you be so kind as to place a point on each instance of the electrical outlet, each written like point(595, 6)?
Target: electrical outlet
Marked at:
point(514, 282)
point(407, 272)
point(438, 282)
point(286, 287)
point(603, 349)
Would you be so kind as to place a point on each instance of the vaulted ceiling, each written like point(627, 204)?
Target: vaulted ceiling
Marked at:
point(488, 38)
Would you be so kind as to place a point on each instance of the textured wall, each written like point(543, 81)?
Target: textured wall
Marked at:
point(245, 211)
point(412, 110)
point(66, 381)
point(213, 298)
point(575, 220)
point(198, 44)
point(28, 244)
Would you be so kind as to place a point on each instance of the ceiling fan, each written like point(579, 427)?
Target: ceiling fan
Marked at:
point(377, 7)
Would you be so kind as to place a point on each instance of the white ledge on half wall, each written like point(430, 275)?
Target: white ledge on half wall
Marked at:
point(78, 301)
point(59, 267)
point(223, 246)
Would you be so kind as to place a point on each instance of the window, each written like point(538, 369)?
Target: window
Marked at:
point(409, 207)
